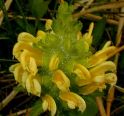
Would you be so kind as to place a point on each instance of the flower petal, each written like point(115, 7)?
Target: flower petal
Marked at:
point(26, 37)
point(19, 47)
point(61, 80)
point(53, 65)
point(33, 86)
point(107, 44)
point(107, 66)
point(49, 104)
point(81, 71)
point(88, 89)
point(18, 72)
point(103, 55)
point(73, 100)
point(111, 78)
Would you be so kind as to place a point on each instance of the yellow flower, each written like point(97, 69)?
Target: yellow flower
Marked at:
point(49, 104)
point(88, 36)
point(26, 37)
point(100, 75)
point(28, 62)
point(61, 80)
point(19, 47)
point(73, 100)
point(33, 86)
point(48, 24)
point(41, 35)
point(81, 71)
point(103, 55)
point(54, 61)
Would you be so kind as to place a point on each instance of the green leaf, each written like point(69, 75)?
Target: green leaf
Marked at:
point(39, 7)
point(98, 32)
point(36, 109)
point(91, 107)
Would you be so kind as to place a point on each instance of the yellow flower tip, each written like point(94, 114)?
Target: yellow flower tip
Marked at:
point(101, 69)
point(107, 44)
point(19, 47)
point(61, 80)
point(28, 62)
point(111, 78)
point(26, 37)
point(90, 29)
point(49, 104)
point(73, 100)
point(54, 62)
point(81, 71)
point(12, 67)
point(102, 55)
point(48, 24)
point(33, 86)
point(32, 66)
point(88, 89)
point(40, 35)
point(18, 72)
point(79, 35)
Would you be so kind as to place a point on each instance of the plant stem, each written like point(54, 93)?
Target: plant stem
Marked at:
point(95, 18)
point(111, 5)
point(10, 97)
point(7, 5)
point(100, 106)
point(110, 96)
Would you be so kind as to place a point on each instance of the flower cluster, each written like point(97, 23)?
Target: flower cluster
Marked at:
point(48, 61)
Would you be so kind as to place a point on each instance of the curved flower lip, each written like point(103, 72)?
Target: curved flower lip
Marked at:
point(40, 35)
point(26, 37)
point(21, 46)
point(101, 69)
point(88, 89)
point(18, 72)
point(81, 71)
point(103, 55)
point(111, 79)
point(54, 62)
point(73, 100)
point(49, 104)
point(33, 86)
point(28, 62)
point(61, 80)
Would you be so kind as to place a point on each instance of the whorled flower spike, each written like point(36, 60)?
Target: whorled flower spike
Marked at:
point(61, 80)
point(49, 104)
point(73, 100)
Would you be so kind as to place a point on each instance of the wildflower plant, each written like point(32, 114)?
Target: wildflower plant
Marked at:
point(58, 65)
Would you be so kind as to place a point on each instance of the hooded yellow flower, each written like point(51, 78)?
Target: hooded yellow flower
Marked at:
point(49, 104)
point(73, 100)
